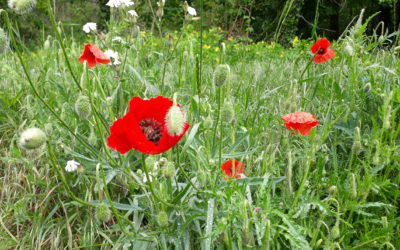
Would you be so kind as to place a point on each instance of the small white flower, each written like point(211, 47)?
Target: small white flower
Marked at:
point(112, 55)
point(89, 27)
point(161, 3)
point(119, 3)
point(133, 13)
point(191, 11)
point(72, 166)
point(117, 39)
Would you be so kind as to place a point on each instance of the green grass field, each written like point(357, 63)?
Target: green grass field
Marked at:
point(335, 189)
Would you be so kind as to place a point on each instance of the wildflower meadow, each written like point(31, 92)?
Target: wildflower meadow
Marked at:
point(139, 135)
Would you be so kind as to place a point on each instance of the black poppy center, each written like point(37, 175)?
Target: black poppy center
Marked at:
point(321, 51)
point(151, 129)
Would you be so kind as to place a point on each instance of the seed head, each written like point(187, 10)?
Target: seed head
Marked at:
point(221, 74)
point(82, 107)
point(22, 6)
point(32, 138)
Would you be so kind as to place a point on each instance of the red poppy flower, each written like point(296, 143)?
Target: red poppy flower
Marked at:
point(232, 171)
point(300, 121)
point(93, 55)
point(144, 127)
point(322, 51)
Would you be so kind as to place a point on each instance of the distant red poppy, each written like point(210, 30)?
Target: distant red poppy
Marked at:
point(233, 172)
point(300, 121)
point(144, 128)
point(93, 55)
point(322, 51)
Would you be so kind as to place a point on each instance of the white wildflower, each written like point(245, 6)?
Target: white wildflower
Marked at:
point(161, 3)
point(119, 3)
point(87, 28)
point(113, 55)
point(133, 13)
point(72, 166)
point(117, 39)
point(191, 11)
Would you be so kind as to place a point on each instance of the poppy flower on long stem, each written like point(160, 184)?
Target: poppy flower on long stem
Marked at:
point(322, 51)
point(92, 54)
point(233, 169)
point(147, 127)
point(301, 122)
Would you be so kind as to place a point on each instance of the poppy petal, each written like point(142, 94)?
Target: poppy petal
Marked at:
point(321, 43)
point(117, 139)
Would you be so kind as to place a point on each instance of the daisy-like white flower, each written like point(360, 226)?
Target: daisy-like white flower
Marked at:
point(114, 55)
point(119, 3)
point(88, 27)
point(133, 13)
point(72, 166)
point(161, 3)
point(191, 11)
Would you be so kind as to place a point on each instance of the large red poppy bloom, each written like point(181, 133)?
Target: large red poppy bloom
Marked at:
point(322, 51)
point(92, 54)
point(301, 122)
point(144, 128)
point(233, 170)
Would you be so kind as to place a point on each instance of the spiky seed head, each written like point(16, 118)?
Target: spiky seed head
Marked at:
point(82, 107)
point(227, 112)
point(221, 74)
point(32, 138)
point(4, 42)
point(103, 213)
point(22, 6)
point(162, 218)
point(175, 119)
point(169, 170)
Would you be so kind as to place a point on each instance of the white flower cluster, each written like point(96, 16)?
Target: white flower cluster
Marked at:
point(87, 28)
point(113, 55)
point(72, 166)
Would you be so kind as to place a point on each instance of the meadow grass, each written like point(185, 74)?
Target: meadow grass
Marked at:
point(335, 189)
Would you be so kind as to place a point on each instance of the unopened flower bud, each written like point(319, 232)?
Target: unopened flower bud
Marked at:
point(335, 232)
point(227, 112)
point(103, 213)
point(47, 43)
point(92, 139)
point(22, 6)
point(150, 161)
point(348, 49)
point(208, 122)
point(221, 74)
point(386, 119)
point(82, 107)
point(332, 190)
point(162, 218)
point(32, 138)
point(169, 170)
point(4, 42)
point(396, 49)
point(353, 186)
point(175, 119)
point(357, 141)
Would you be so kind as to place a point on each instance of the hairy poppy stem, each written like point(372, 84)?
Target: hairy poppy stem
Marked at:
point(305, 69)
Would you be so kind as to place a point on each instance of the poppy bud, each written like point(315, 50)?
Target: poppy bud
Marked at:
point(103, 213)
point(22, 6)
point(397, 49)
point(47, 44)
point(82, 107)
point(175, 119)
point(150, 161)
point(381, 39)
point(92, 139)
point(353, 185)
point(332, 190)
point(221, 74)
point(208, 122)
point(227, 112)
point(348, 49)
point(3, 41)
point(169, 170)
point(162, 218)
point(357, 141)
point(32, 138)
point(335, 232)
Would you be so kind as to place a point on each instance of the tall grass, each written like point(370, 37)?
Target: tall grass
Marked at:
point(350, 197)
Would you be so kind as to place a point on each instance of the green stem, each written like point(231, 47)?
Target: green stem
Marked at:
point(59, 38)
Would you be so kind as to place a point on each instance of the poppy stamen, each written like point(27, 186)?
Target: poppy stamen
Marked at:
point(151, 129)
point(321, 51)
